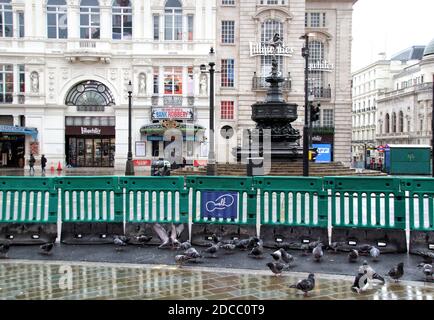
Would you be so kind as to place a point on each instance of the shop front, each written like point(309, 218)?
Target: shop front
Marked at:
point(90, 146)
point(12, 145)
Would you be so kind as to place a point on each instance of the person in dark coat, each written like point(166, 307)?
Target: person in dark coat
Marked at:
point(32, 161)
point(43, 163)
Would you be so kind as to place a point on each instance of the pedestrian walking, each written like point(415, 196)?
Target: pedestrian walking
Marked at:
point(32, 161)
point(43, 163)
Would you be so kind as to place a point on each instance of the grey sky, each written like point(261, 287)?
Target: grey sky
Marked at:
point(389, 26)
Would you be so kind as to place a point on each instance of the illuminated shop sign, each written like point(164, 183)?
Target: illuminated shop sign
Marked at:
point(321, 65)
point(259, 49)
point(172, 113)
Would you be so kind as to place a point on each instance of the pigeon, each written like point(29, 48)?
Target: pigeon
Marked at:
point(168, 238)
point(185, 245)
point(305, 285)
point(353, 255)
point(371, 274)
point(229, 248)
point(119, 243)
point(192, 253)
point(286, 257)
point(256, 252)
point(276, 255)
point(215, 239)
point(374, 253)
point(428, 256)
point(242, 244)
point(314, 244)
point(275, 267)
point(180, 259)
point(143, 239)
point(317, 252)
point(4, 249)
point(212, 250)
point(427, 270)
point(397, 272)
point(305, 248)
point(46, 248)
point(335, 246)
point(123, 238)
point(364, 248)
point(253, 242)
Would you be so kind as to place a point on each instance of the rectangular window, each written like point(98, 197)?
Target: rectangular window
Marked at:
point(228, 2)
point(227, 110)
point(22, 77)
point(228, 31)
point(314, 19)
point(89, 23)
point(6, 83)
point(57, 22)
point(21, 24)
point(156, 80)
point(227, 67)
point(323, 19)
point(173, 80)
point(122, 23)
point(6, 20)
point(190, 26)
point(173, 24)
point(156, 27)
point(327, 118)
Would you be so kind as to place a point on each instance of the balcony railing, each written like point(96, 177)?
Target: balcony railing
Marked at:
point(259, 83)
point(321, 93)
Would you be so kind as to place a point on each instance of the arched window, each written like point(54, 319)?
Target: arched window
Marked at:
point(401, 121)
point(316, 77)
point(173, 20)
point(394, 122)
point(122, 19)
point(57, 19)
point(6, 24)
point(387, 123)
point(89, 19)
point(90, 95)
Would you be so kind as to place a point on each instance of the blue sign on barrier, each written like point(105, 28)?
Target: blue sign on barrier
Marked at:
point(219, 204)
point(324, 152)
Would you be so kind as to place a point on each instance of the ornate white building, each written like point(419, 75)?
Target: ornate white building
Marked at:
point(244, 27)
point(392, 102)
point(65, 66)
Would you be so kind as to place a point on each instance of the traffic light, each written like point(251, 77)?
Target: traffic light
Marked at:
point(314, 112)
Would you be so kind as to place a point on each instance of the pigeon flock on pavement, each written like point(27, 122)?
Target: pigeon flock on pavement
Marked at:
point(281, 259)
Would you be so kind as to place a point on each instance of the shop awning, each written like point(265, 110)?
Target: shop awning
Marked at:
point(159, 129)
point(19, 130)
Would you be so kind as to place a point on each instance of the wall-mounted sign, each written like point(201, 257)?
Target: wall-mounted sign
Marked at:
point(259, 49)
point(140, 149)
point(324, 153)
point(172, 113)
point(172, 101)
point(142, 163)
point(90, 131)
point(321, 65)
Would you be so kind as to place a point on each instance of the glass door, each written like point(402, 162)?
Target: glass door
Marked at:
point(98, 146)
point(112, 152)
point(105, 152)
point(89, 152)
point(81, 159)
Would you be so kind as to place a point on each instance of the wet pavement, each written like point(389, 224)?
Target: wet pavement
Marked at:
point(42, 280)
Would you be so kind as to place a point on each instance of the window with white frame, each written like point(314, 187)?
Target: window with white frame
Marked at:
point(266, 64)
point(57, 19)
point(173, 20)
point(315, 19)
point(269, 28)
point(227, 72)
point(228, 31)
point(227, 110)
point(22, 78)
point(327, 118)
point(280, 2)
point(190, 26)
point(228, 2)
point(173, 80)
point(6, 83)
point(316, 77)
point(122, 20)
point(20, 24)
point(156, 77)
point(89, 19)
point(6, 19)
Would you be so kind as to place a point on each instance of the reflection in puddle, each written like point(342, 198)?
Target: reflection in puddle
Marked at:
point(40, 281)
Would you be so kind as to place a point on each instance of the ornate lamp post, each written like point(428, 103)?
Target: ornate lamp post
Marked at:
point(211, 166)
point(305, 54)
point(129, 169)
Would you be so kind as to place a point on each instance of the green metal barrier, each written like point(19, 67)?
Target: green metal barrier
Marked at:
point(222, 205)
point(367, 209)
point(92, 209)
point(154, 199)
point(28, 210)
point(419, 193)
point(293, 210)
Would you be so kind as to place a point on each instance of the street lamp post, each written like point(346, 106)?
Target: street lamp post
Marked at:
point(432, 129)
point(211, 166)
point(305, 54)
point(129, 169)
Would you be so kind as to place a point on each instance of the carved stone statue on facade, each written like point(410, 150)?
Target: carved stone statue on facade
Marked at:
point(34, 78)
point(203, 85)
point(142, 83)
